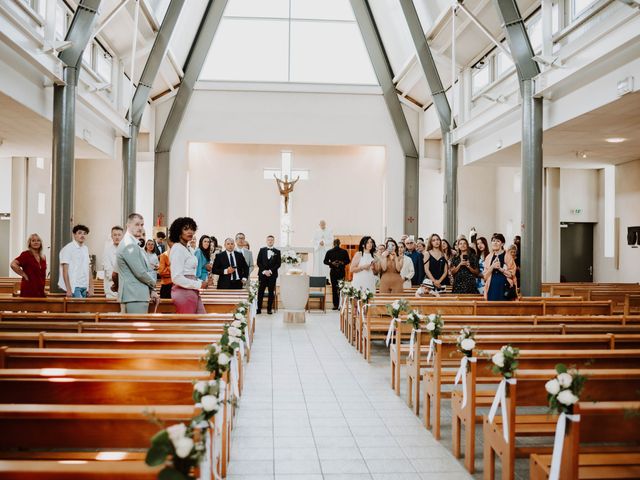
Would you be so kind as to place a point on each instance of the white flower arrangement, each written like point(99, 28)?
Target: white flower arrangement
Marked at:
point(434, 325)
point(505, 361)
point(564, 390)
point(209, 395)
point(397, 307)
point(415, 319)
point(466, 341)
point(179, 448)
point(290, 257)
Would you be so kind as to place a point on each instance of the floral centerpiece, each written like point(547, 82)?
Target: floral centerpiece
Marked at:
point(415, 319)
point(434, 326)
point(290, 257)
point(364, 295)
point(465, 342)
point(397, 307)
point(210, 396)
point(394, 310)
point(564, 390)
point(505, 361)
point(181, 448)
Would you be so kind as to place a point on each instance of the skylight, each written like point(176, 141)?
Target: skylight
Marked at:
point(302, 41)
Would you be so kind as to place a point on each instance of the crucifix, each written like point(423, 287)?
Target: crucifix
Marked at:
point(283, 176)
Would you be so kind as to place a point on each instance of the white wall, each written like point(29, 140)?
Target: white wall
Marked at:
point(280, 118)
point(228, 192)
point(97, 200)
point(627, 203)
point(477, 200)
point(39, 181)
point(5, 185)
point(508, 202)
point(431, 213)
point(578, 191)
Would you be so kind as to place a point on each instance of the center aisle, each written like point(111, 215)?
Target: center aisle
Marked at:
point(312, 408)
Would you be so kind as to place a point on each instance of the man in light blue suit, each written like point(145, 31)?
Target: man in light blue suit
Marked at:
point(135, 276)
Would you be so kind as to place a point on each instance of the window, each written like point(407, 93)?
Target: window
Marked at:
point(578, 7)
point(63, 19)
point(480, 75)
point(289, 41)
point(534, 29)
point(87, 56)
point(103, 64)
point(503, 63)
point(326, 52)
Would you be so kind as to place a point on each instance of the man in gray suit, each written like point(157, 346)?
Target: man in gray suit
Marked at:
point(243, 248)
point(136, 280)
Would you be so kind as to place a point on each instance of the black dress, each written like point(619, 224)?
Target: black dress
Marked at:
point(436, 266)
point(464, 281)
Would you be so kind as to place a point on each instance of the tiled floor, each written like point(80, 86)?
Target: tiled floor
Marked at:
point(312, 408)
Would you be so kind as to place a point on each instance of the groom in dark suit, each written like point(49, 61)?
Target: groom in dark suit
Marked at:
point(269, 261)
point(231, 267)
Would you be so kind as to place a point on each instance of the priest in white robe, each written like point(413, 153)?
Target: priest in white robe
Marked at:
point(322, 241)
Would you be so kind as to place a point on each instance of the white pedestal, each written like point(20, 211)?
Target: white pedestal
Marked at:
point(294, 293)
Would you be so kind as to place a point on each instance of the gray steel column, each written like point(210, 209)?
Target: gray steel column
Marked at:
point(450, 187)
point(528, 69)
point(443, 110)
point(383, 70)
point(64, 131)
point(532, 171)
point(139, 103)
point(192, 68)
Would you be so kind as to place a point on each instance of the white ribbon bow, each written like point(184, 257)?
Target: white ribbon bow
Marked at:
point(235, 376)
point(241, 348)
point(432, 343)
point(501, 400)
point(412, 341)
point(558, 444)
point(462, 375)
point(343, 304)
point(247, 332)
point(390, 331)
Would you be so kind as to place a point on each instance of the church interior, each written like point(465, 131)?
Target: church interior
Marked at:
point(304, 239)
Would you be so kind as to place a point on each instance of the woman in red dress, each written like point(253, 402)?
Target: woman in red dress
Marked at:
point(31, 265)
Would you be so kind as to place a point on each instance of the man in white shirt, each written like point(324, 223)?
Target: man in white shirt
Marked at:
point(75, 274)
point(243, 248)
point(109, 261)
point(322, 239)
point(136, 279)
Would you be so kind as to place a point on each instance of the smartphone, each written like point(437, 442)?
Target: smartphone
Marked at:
point(390, 247)
point(465, 257)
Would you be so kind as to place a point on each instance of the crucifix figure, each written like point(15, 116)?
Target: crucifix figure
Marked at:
point(285, 187)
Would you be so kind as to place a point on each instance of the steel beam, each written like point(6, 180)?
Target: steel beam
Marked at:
point(443, 109)
point(64, 131)
point(384, 72)
point(531, 163)
point(192, 68)
point(139, 102)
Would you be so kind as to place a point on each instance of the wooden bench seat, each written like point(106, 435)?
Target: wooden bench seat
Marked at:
point(113, 359)
point(72, 470)
point(466, 418)
point(93, 327)
point(82, 426)
point(113, 387)
point(122, 340)
point(602, 385)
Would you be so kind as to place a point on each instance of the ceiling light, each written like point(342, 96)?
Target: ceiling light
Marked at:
point(615, 139)
point(581, 154)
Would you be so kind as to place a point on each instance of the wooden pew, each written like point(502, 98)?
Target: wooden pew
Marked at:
point(611, 422)
point(445, 354)
point(105, 327)
point(110, 359)
point(529, 359)
point(121, 340)
point(72, 470)
point(529, 391)
point(29, 427)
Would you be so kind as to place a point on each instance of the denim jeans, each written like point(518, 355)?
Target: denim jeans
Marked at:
point(79, 292)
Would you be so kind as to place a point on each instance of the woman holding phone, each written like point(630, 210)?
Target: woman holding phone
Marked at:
point(390, 267)
point(499, 271)
point(464, 268)
point(364, 265)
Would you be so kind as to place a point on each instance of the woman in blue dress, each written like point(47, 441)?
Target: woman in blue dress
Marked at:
point(482, 247)
point(203, 254)
point(499, 270)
